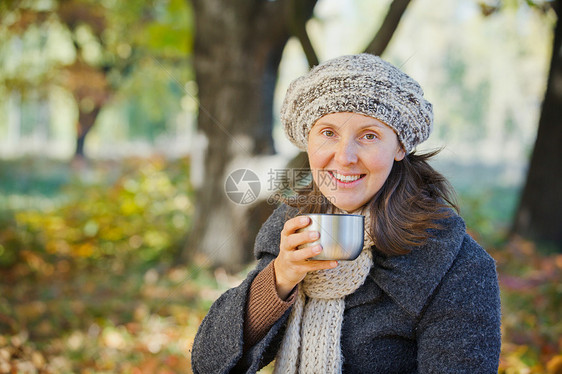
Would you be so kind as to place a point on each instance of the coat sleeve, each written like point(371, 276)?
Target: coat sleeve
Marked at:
point(219, 342)
point(459, 332)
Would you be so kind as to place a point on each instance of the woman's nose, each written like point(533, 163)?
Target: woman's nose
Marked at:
point(346, 152)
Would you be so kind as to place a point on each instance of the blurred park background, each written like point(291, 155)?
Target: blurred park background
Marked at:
point(120, 122)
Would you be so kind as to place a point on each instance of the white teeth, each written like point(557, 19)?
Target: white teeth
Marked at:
point(346, 178)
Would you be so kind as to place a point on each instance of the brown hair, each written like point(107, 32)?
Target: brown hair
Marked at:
point(411, 201)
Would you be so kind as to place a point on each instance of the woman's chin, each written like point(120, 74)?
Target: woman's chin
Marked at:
point(346, 206)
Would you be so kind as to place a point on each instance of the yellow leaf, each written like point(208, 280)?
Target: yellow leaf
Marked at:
point(554, 366)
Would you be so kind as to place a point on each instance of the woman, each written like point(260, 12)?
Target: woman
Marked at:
point(422, 297)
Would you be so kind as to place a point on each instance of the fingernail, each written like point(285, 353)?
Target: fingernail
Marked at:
point(304, 220)
point(317, 249)
point(314, 235)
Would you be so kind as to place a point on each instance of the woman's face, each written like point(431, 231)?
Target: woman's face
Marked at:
point(351, 156)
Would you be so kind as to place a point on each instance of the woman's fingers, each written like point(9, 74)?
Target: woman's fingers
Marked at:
point(291, 239)
point(295, 240)
point(321, 264)
point(305, 253)
point(292, 225)
point(302, 259)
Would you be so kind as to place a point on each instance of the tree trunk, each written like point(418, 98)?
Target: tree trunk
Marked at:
point(91, 91)
point(237, 51)
point(539, 215)
point(85, 123)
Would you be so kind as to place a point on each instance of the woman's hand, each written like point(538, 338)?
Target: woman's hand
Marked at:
point(291, 265)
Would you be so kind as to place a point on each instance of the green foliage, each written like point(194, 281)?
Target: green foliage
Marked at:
point(138, 50)
point(143, 213)
point(170, 33)
point(488, 212)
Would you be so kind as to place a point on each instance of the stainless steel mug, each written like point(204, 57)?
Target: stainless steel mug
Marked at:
point(341, 235)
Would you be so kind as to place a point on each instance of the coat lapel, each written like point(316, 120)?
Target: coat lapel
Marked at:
point(411, 279)
point(367, 293)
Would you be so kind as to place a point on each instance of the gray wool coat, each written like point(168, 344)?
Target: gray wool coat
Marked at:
point(434, 310)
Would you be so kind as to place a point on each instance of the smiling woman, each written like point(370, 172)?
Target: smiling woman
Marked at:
point(421, 297)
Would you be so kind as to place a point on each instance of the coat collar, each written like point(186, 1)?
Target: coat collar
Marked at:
point(409, 280)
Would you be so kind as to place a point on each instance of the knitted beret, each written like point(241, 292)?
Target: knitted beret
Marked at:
point(361, 83)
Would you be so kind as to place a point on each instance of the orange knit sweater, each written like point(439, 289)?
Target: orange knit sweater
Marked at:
point(264, 306)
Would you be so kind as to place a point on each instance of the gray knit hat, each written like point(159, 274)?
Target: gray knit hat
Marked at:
point(361, 83)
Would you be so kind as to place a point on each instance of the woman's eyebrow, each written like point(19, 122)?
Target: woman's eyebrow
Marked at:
point(326, 123)
point(373, 124)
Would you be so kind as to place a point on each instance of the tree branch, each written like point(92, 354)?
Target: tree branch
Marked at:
point(388, 27)
point(299, 12)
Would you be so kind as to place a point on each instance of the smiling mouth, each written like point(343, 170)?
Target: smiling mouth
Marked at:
point(346, 178)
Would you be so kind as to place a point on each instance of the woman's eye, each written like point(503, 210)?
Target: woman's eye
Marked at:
point(328, 133)
point(370, 136)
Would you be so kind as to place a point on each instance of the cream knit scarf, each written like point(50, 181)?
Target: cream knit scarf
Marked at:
point(312, 341)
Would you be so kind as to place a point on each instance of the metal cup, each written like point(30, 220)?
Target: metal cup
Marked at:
point(341, 235)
